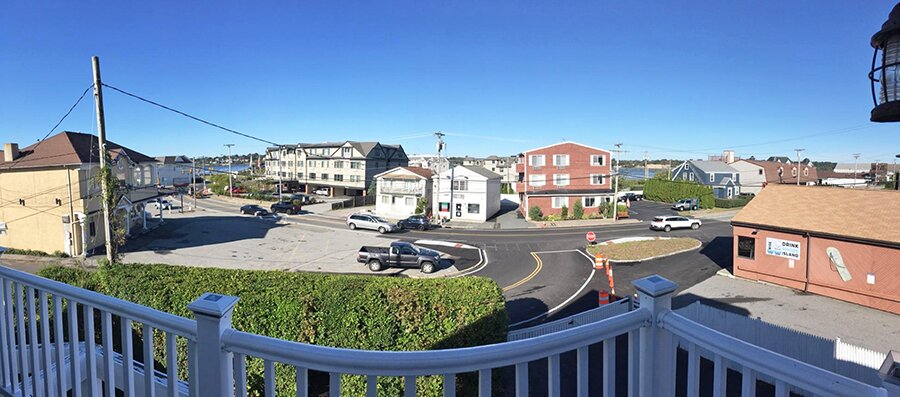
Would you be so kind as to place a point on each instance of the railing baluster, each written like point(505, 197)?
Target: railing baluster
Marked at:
point(484, 382)
point(371, 385)
point(172, 364)
point(522, 379)
point(269, 377)
point(719, 373)
point(302, 382)
point(149, 361)
point(582, 374)
point(449, 385)
point(334, 384)
point(609, 367)
point(74, 353)
point(46, 359)
point(4, 360)
point(781, 388)
point(409, 386)
point(9, 337)
point(20, 328)
point(693, 371)
point(127, 357)
point(634, 354)
point(748, 382)
point(553, 375)
point(58, 337)
point(240, 375)
point(90, 347)
point(37, 388)
point(109, 367)
point(193, 378)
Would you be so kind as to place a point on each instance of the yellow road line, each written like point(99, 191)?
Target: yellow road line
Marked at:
point(537, 269)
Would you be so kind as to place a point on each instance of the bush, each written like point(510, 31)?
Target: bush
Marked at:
point(564, 212)
point(16, 251)
point(671, 191)
point(577, 210)
point(357, 312)
point(535, 213)
point(739, 201)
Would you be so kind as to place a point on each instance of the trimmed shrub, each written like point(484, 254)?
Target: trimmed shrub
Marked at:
point(535, 213)
point(16, 251)
point(671, 191)
point(577, 210)
point(739, 201)
point(357, 312)
point(564, 212)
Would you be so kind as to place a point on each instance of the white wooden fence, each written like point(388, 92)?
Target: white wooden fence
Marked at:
point(586, 317)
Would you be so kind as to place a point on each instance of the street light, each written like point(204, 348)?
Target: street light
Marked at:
point(887, 75)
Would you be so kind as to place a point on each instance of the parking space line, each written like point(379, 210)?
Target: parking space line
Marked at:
point(537, 269)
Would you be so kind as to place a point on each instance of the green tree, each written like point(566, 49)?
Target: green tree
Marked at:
point(564, 212)
point(420, 205)
point(535, 213)
point(577, 210)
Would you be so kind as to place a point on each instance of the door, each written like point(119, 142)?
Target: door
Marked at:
point(408, 257)
point(369, 223)
point(395, 258)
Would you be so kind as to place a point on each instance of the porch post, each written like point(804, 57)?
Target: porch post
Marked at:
point(128, 220)
point(657, 347)
point(144, 216)
point(214, 365)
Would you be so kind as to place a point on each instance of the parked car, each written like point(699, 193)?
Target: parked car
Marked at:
point(162, 203)
point(238, 190)
point(253, 209)
point(418, 222)
point(371, 222)
point(631, 196)
point(399, 254)
point(286, 207)
point(305, 199)
point(686, 204)
point(668, 223)
point(321, 191)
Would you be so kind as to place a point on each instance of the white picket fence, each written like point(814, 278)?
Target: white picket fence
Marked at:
point(830, 354)
point(586, 317)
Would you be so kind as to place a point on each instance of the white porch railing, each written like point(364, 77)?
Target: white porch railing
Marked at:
point(44, 355)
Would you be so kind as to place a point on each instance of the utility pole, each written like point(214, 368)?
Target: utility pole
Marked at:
point(194, 182)
point(440, 146)
point(798, 164)
point(280, 162)
point(230, 187)
point(616, 182)
point(646, 170)
point(855, 167)
point(101, 132)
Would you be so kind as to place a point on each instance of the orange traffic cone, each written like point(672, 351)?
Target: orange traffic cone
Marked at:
point(604, 298)
point(598, 261)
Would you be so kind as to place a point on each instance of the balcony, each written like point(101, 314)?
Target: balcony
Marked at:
point(33, 363)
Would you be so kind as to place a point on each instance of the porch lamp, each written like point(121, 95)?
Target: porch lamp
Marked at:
point(887, 74)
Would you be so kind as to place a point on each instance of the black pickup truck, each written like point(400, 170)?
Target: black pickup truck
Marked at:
point(399, 254)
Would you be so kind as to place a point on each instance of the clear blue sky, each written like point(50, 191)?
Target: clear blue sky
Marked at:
point(679, 79)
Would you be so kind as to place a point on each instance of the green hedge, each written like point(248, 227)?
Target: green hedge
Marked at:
point(16, 251)
point(739, 201)
point(672, 191)
point(358, 312)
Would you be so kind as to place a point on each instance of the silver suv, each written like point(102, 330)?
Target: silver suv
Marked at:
point(371, 222)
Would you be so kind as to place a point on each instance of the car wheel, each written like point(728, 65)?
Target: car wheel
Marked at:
point(352, 226)
point(421, 227)
point(382, 230)
point(668, 228)
point(695, 208)
point(374, 265)
point(695, 226)
point(427, 267)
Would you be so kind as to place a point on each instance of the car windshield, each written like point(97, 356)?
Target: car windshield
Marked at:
point(378, 219)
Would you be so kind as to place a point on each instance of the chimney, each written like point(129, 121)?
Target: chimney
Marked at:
point(10, 151)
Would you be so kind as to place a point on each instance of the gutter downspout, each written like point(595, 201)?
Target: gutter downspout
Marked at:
point(806, 286)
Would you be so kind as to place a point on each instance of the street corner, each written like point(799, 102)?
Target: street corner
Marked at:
point(463, 258)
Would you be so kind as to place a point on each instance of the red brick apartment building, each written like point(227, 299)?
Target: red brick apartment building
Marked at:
point(841, 243)
point(554, 176)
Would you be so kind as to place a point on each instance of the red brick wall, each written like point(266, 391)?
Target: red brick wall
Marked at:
point(546, 205)
point(768, 268)
point(579, 171)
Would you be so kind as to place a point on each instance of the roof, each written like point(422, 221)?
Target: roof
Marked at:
point(180, 159)
point(69, 148)
point(713, 166)
point(563, 143)
point(783, 159)
point(849, 167)
point(812, 209)
point(418, 171)
point(771, 169)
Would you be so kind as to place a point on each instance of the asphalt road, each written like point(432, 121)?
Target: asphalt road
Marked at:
point(545, 273)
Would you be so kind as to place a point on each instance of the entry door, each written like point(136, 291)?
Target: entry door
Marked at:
point(407, 257)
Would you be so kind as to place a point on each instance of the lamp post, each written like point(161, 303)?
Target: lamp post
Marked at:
point(887, 74)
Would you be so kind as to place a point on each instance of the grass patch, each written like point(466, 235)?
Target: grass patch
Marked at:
point(639, 250)
point(708, 211)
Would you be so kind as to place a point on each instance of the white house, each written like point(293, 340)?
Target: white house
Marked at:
point(173, 170)
point(466, 193)
point(753, 176)
point(398, 191)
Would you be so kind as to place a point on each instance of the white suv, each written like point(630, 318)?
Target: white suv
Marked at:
point(668, 223)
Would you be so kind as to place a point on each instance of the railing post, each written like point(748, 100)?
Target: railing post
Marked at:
point(214, 372)
point(657, 355)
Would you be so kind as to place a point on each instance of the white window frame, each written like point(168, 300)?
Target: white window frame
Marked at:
point(408, 203)
point(459, 185)
point(712, 177)
point(585, 204)
point(559, 177)
point(691, 176)
point(553, 201)
point(561, 156)
point(601, 162)
point(347, 152)
point(532, 157)
point(794, 171)
point(533, 178)
point(602, 179)
point(805, 171)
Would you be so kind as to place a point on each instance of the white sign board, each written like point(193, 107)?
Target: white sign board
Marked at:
point(783, 248)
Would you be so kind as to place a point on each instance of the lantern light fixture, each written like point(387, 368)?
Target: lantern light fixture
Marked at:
point(887, 95)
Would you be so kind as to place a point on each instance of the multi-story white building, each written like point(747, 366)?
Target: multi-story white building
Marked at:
point(503, 166)
point(400, 189)
point(173, 170)
point(467, 193)
point(343, 168)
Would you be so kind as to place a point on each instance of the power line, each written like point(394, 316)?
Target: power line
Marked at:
point(195, 118)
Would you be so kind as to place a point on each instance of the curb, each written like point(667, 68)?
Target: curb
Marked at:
point(656, 257)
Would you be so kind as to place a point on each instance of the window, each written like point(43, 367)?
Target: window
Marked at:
point(461, 185)
point(537, 180)
point(712, 177)
point(410, 201)
point(598, 159)
point(354, 178)
point(805, 171)
point(760, 171)
point(561, 179)
point(312, 175)
point(311, 163)
point(561, 160)
point(354, 165)
point(559, 202)
point(385, 199)
point(299, 175)
point(691, 176)
point(589, 202)
point(2, 228)
point(794, 171)
point(338, 178)
point(338, 164)
point(474, 208)
point(536, 160)
point(93, 229)
point(347, 152)
point(746, 247)
point(324, 177)
point(596, 179)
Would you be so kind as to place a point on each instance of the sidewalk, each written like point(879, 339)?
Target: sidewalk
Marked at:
point(814, 314)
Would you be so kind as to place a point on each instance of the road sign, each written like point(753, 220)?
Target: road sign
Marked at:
point(591, 237)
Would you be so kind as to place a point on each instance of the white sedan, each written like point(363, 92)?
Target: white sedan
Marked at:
point(668, 223)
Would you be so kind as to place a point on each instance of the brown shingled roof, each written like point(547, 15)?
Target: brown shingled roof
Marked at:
point(850, 213)
point(426, 173)
point(69, 148)
point(772, 176)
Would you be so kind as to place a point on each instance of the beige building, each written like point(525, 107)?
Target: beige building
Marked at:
point(50, 197)
point(341, 168)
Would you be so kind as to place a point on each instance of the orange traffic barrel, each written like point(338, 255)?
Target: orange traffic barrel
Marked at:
point(598, 261)
point(604, 298)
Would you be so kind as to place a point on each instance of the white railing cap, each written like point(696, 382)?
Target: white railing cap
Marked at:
point(654, 286)
point(214, 305)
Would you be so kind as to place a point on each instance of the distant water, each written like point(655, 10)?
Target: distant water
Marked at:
point(638, 173)
point(224, 168)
